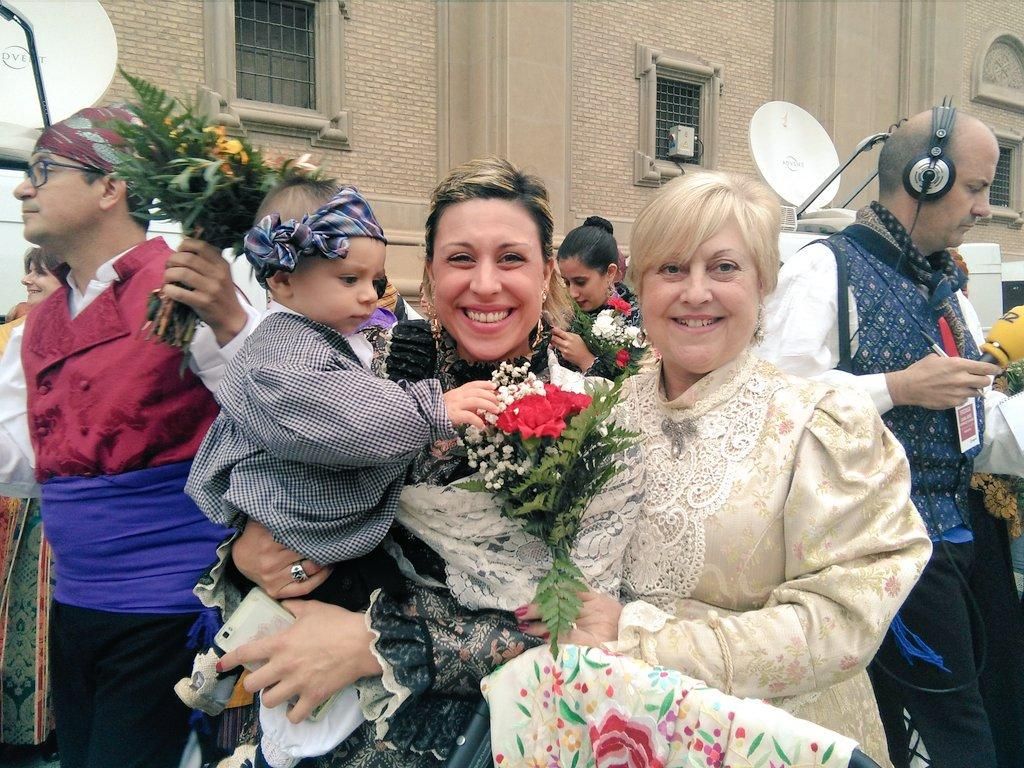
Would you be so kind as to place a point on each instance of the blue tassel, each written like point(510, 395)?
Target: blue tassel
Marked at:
point(913, 647)
point(200, 636)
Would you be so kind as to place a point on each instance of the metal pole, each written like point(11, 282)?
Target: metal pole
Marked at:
point(864, 145)
point(26, 26)
point(860, 189)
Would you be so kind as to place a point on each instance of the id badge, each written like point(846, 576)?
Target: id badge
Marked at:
point(967, 424)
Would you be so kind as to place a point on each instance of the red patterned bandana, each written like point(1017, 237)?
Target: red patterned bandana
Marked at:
point(87, 137)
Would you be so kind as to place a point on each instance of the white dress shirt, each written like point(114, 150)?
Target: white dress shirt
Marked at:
point(17, 458)
point(802, 337)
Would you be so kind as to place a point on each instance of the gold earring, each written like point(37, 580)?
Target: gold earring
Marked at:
point(759, 328)
point(432, 321)
point(538, 334)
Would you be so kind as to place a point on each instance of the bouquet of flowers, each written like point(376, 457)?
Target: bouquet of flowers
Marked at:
point(545, 456)
point(1014, 385)
point(194, 174)
point(1004, 494)
point(610, 336)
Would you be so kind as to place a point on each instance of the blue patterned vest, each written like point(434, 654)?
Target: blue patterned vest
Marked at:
point(892, 317)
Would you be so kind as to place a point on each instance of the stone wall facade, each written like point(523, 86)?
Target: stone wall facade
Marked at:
point(426, 82)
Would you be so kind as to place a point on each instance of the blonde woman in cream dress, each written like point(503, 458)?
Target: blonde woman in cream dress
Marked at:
point(777, 539)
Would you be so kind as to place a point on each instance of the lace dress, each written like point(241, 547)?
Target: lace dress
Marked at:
point(776, 544)
point(434, 651)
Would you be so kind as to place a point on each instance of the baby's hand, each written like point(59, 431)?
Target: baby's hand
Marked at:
point(465, 404)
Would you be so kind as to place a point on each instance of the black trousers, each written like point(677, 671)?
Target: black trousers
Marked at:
point(1002, 681)
point(954, 726)
point(113, 678)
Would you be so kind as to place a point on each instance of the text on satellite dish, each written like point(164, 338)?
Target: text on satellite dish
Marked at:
point(14, 57)
point(791, 163)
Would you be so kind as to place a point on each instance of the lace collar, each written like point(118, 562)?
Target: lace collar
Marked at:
point(712, 390)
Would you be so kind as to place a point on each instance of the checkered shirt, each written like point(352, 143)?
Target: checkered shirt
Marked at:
point(310, 444)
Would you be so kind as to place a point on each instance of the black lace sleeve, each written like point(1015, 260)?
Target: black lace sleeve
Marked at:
point(411, 354)
point(431, 643)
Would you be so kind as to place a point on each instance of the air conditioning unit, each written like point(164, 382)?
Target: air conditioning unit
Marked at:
point(680, 142)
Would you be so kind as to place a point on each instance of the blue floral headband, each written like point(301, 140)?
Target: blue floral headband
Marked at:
point(276, 246)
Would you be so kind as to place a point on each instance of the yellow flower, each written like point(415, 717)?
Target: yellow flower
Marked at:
point(230, 146)
point(572, 741)
point(220, 130)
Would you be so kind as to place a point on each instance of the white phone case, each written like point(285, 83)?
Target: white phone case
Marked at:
point(257, 616)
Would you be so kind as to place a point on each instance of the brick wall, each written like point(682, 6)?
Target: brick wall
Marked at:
point(162, 42)
point(390, 84)
point(391, 87)
point(983, 16)
point(738, 36)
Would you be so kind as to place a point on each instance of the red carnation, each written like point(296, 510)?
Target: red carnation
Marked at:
point(570, 402)
point(616, 302)
point(532, 416)
point(542, 415)
point(622, 358)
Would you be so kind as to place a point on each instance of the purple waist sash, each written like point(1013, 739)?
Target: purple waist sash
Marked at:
point(128, 543)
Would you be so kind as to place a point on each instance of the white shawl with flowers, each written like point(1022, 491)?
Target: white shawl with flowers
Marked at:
point(491, 562)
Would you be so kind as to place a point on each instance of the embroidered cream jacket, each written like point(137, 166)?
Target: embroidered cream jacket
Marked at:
point(777, 538)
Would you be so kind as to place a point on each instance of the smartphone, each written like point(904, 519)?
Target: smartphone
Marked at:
point(257, 616)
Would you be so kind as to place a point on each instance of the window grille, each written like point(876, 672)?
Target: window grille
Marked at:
point(1001, 193)
point(274, 52)
point(678, 104)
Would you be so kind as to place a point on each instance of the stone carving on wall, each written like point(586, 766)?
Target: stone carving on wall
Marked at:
point(998, 73)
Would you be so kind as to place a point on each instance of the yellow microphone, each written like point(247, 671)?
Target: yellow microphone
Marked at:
point(1005, 341)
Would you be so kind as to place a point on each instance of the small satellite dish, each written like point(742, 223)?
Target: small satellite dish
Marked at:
point(793, 153)
point(77, 54)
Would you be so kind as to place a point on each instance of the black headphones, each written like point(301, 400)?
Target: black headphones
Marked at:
point(929, 176)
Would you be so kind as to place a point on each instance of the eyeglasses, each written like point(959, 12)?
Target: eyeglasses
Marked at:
point(38, 173)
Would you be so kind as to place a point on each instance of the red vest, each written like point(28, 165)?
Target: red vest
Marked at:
point(102, 398)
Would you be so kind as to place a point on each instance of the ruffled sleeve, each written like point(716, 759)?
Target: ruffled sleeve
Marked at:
point(405, 352)
point(854, 546)
point(431, 647)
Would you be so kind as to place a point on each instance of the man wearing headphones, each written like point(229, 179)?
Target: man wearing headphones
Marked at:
point(901, 329)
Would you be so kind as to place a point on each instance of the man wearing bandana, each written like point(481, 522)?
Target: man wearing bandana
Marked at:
point(97, 419)
point(913, 346)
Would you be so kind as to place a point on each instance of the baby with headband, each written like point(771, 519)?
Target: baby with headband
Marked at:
point(309, 443)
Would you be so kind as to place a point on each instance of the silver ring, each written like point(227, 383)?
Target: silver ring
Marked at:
point(572, 625)
point(298, 572)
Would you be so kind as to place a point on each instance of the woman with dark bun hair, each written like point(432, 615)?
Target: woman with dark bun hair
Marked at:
point(589, 262)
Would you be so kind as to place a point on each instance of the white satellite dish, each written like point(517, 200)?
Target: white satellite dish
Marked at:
point(77, 52)
point(793, 153)
point(16, 141)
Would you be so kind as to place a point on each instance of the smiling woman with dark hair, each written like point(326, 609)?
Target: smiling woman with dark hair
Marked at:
point(588, 260)
point(491, 294)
